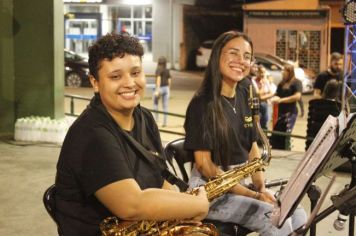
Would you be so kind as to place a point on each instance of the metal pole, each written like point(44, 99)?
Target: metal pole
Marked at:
point(72, 106)
point(171, 5)
point(344, 77)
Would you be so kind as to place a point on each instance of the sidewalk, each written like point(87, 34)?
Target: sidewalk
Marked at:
point(26, 171)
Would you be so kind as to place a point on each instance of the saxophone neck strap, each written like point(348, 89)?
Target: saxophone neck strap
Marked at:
point(151, 157)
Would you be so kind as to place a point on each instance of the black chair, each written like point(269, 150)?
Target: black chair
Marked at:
point(319, 110)
point(174, 150)
point(49, 202)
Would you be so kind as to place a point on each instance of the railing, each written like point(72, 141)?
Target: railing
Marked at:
point(72, 97)
point(72, 104)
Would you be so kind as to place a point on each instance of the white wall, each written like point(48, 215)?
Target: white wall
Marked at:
point(167, 35)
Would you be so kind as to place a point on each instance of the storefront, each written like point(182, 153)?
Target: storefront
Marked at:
point(297, 31)
point(87, 20)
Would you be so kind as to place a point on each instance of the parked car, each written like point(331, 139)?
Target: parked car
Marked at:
point(203, 53)
point(76, 70)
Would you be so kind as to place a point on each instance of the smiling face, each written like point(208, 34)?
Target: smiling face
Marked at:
point(235, 60)
point(121, 83)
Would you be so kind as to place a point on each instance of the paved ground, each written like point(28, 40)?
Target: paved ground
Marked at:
point(27, 169)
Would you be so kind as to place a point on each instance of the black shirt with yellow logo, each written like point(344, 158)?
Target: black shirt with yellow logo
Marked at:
point(241, 123)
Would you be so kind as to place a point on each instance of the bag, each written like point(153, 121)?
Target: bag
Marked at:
point(280, 141)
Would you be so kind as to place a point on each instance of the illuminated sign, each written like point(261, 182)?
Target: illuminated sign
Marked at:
point(288, 14)
point(83, 1)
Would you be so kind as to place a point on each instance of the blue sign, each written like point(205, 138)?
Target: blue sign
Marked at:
point(81, 36)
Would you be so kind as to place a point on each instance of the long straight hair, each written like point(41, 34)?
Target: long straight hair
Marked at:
point(210, 89)
point(291, 75)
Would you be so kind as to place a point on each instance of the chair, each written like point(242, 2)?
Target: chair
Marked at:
point(174, 150)
point(319, 110)
point(49, 202)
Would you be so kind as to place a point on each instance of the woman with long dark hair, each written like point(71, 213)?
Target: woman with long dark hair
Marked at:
point(220, 134)
point(289, 92)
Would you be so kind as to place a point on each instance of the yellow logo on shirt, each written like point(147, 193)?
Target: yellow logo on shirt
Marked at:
point(248, 122)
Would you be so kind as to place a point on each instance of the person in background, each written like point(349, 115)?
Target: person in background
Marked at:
point(99, 172)
point(220, 135)
point(163, 84)
point(334, 72)
point(264, 91)
point(289, 92)
point(321, 108)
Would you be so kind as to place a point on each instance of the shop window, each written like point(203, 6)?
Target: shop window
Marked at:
point(301, 46)
point(148, 12)
point(136, 20)
point(138, 12)
point(124, 26)
point(124, 12)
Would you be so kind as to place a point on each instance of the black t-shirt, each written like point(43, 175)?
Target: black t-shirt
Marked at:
point(95, 154)
point(294, 87)
point(241, 123)
point(324, 77)
point(165, 75)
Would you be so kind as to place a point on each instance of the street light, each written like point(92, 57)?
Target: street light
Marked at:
point(349, 12)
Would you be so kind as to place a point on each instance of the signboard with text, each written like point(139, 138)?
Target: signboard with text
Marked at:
point(287, 14)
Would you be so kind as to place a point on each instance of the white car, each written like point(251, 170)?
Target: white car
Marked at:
point(203, 53)
point(274, 67)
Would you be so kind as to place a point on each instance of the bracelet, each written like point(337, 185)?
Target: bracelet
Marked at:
point(260, 169)
point(257, 195)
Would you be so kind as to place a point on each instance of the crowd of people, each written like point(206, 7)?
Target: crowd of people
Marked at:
point(282, 102)
point(100, 173)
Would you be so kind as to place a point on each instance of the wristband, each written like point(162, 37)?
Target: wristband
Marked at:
point(257, 195)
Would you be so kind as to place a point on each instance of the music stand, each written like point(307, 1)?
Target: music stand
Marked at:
point(324, 155)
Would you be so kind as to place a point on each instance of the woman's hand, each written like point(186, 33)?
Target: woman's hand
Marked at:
point(267, 197)
point(275, 99)
point(204, 197)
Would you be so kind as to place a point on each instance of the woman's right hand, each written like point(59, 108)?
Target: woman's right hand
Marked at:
point(204, 198)
point(267, 197)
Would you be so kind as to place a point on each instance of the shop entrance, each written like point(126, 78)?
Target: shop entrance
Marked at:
point(300, 45)
point(81, 30)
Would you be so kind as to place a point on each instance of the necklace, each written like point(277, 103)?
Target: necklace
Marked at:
point(228, 102)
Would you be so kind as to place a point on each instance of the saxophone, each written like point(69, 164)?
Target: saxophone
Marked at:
point(214, 188)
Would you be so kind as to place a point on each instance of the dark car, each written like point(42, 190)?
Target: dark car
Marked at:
point(76, 70)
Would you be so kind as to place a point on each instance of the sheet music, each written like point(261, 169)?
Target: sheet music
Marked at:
point(322, 156)
point(306, 168)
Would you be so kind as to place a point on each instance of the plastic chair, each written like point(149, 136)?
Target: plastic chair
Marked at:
point(49, 202)
point(174, 150)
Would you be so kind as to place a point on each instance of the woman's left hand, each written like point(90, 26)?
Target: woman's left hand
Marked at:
point(275, 99)
point(267, 197)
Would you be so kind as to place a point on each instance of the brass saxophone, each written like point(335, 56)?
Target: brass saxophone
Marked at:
point(214, 188)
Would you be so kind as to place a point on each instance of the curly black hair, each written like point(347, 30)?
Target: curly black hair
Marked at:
point(110, 46)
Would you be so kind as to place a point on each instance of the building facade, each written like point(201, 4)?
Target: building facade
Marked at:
point(293, 30)
point(157, 23)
